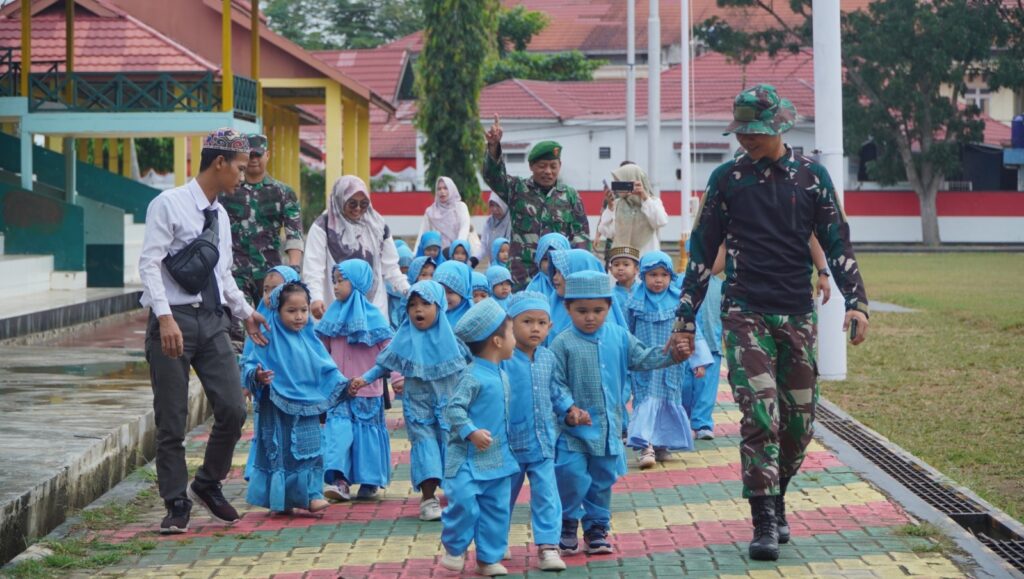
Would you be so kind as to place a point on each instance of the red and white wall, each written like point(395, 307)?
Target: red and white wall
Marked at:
point(875, 216)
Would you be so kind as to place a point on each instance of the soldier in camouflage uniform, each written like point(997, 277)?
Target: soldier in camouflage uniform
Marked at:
point(537, 206)
point(765, 205)
point(260, 208)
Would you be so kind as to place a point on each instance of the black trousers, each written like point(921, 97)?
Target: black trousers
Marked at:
point(208, 350)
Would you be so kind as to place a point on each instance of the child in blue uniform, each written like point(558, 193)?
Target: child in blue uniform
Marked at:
point(563, 264)
point(541, 282)
point(701, 393)
point(623, 264)
point(426, 352)
point(459, 251)
point(592, 362)
point(499, 252)
point(481, 290)
point(479, 465)
point(293, 380)
point(457, 280)
point(358, 450)
point(430, 246)
point(659, 423)
point(499, 281)
point(532, 429)
point(405, 258)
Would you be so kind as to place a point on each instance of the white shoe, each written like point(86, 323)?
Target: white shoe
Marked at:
point(338, 492)
point(550, 560)
point(646, 458)
point(491, 569)
point(453, 562)
point(430, 510)
point(705, 434)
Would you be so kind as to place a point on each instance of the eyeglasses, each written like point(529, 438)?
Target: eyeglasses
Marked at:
point(357, 204)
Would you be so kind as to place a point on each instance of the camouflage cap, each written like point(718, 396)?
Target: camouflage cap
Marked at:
point(545, 151)
point(761, 111)
point(257, 143)
point(228, 140)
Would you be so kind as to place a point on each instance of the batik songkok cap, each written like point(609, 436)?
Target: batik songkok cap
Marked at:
point(587, 285)
point(497, 274)
point(482, 320)
point(228, 140)
point(527, 302)
point(624, 251)
point(480, 282)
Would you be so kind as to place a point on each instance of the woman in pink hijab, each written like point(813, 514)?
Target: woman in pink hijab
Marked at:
point(448, 215)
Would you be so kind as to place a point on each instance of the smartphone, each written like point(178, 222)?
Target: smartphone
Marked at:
point(853, 329)
point(622, 187)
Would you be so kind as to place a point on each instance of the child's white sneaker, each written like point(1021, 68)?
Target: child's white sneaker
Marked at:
point(430, 510)
point(338, 492)
point(550, 559)
point(646, 458)
point(453, 562)
point(491, 569)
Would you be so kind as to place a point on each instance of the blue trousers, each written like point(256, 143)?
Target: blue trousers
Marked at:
point(699, 396)
point(477, 511)
point(585, 485)
point(545, 506)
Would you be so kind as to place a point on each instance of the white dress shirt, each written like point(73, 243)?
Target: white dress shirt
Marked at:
point(173, 220)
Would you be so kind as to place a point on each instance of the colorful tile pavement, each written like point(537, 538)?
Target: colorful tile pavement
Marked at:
point(681, 518)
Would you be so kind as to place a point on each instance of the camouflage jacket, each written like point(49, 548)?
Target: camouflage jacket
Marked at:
point(533, 213)
point(766, 213)
point(258, 213)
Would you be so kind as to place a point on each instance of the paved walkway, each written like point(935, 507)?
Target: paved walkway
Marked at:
point(681, 518)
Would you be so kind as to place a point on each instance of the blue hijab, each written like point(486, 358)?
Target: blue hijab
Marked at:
point(647, 305)
point(497, 274)
point(457, 277)
point(568, 262)
point(429, 354)
point(404, 260)
point(496, 249)
point(541, 283)
point(288, 273)
point(480, 282)
point(431, 239)
point(464, 245)
point(306, 381)
point(417, 266)
point(355, 318)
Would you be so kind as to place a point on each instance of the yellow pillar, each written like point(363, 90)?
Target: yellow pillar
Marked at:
point(333, 147)
point(270, 120)
point(83, 149)
point(26, 46)
point(112, 155)
point(55, 144)
point(195, 143)
point(293, 155)
point(126, 157)
point(364, 142)
point(179, 161)
point(227, 75)
point(97, 152)
point(350, 146)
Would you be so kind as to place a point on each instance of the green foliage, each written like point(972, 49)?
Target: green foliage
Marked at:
point(458, 39)
point(70, 555)
point(517, 27)
point(343, 24)
point(571, 65)
point(313, 198)
point(156, 154)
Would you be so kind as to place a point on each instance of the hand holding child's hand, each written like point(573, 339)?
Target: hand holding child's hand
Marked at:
point(355, 385)
point(481, 439)
point(577, 417)
point(263, 376)
point(699, 372)
point(398, 386)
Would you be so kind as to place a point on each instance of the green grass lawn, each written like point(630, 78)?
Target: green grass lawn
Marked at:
point(947, 382)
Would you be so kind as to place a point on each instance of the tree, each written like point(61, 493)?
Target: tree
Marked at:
point(907, 64)
point(458, 39)
point(343, 24)
point(516, 28)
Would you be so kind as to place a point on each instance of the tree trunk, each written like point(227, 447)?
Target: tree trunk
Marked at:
point(927, 196)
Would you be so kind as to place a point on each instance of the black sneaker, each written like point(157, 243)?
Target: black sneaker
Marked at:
point(212, 499)
point(597, 540)
point(176, 521)
point(569, 542)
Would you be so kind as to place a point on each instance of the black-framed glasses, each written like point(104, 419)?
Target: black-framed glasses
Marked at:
point(353, 204)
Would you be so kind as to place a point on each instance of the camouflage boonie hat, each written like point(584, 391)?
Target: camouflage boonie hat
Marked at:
point(257, 143)
point(761, 111)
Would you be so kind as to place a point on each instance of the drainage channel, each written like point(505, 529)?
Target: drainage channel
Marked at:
point(962, 509)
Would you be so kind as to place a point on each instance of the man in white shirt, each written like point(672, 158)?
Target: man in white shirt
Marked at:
point(191, 330)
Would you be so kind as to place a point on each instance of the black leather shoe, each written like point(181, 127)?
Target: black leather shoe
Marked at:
point(765, 544)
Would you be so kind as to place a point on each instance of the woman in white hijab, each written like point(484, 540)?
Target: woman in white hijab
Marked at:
point(448, 215)
point(635, 218)
point(350, 228)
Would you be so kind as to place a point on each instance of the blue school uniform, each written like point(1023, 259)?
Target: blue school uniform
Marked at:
point(568, 262)
point(477, 483)
point(405, 258)
point(497, 274)
point(287, 447)
point(431, 239)
point(496, 249)
point(532, 435)
point(457, 277)
point(700, 395)
point(465, 247)
point(431, 362)
point(592, 373)
point(659, 418)
point(541, 282)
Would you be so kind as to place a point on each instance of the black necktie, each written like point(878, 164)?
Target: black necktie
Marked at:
point(211, 292)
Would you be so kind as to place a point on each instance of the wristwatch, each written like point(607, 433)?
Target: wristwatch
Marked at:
point(824, 272)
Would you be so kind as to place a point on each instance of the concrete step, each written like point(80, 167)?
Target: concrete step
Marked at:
point(22, 275)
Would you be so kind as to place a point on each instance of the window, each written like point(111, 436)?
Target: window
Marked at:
point(515, 157)
point(978, 97)
point(604, 153)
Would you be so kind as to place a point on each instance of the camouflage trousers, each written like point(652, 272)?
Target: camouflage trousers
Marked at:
point(773, 373)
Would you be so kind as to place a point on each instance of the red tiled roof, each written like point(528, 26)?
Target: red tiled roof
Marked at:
point(380, 68)
point(596, 26)
point(118, 43)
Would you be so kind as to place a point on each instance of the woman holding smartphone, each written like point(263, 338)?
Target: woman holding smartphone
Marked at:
point(634, 214)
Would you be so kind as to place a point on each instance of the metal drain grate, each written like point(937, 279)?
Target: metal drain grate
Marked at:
point(966, 512)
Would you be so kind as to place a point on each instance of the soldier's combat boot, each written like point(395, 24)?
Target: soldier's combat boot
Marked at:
point(780, 511)
point(765, 544)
